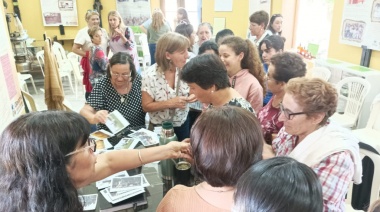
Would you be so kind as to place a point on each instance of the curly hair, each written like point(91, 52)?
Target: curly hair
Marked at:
point(251, 59)
point(314, 95)
point(33, 173)
point(287, 66)
point(225, 142)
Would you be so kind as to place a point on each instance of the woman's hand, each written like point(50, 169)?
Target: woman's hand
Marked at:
point(101, 116)
point(179, 149)
point(178, 102)
point(191, 98)
point(119, 32)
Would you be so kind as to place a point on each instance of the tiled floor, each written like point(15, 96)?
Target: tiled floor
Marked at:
point(75, 102)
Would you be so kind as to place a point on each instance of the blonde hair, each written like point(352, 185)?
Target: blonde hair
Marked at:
point(91, 31)
point(121, 24)
point(157, 20)
point(90, 13)
point(169, 42)
point(313, 95)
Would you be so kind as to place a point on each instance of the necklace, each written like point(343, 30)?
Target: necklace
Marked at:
point(220, 190)
point(122, 98)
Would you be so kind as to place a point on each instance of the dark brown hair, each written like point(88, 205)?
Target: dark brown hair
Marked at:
point(122, 58)
point(225, 142)
point(251, 59)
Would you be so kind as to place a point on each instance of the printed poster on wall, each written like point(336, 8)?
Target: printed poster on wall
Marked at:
point(59, 12)
point(361, 23)
point(133, 12)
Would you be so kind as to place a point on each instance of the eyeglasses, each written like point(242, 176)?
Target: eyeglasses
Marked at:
point(91, 144)
point(124, 75)
point(289, 115)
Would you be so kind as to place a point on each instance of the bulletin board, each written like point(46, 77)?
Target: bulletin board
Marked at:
point(134, 13)
point(59, 12)
point(11, 103)
point(361, 23)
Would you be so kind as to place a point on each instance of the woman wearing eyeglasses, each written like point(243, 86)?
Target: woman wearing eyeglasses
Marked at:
point(82, 44)
point(119, 90)
point(309, 137)
point(46, 156)
point(282, 68)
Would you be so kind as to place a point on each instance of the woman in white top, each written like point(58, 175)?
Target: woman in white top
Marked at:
point(164, 95)
point(83, 43)
point(204, 33)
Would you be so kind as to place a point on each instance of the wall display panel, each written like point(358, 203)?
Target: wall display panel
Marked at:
point(59, 12)
point(133, 12)
point(361, 24)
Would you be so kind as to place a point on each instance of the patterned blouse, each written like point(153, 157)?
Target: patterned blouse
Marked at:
point(155, 84)
point(105, 97)
point(99, 62)
point(238, 102)
point(268, 117)
point(334, 172)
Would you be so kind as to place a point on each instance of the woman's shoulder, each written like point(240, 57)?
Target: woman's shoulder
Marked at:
point(151, 71)
point(241, 102)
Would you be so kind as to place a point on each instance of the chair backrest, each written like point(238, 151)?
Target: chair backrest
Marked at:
point(29, 101)
point(375, 187)
point(60, 55)
point(144, 46)
point(321, 72)
point(75, 62)
point(59, 51)
point(40, 59)
point(353, 90)
point(374, 117)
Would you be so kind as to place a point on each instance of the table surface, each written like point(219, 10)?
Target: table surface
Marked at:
point(155, 192)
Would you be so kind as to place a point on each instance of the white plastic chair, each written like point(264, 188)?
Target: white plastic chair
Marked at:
point(77, 70)
point(29, 101)
point(64, 64)
point(24, 77)
point(371, 133)
point(41, 62)
point(375, 188)
point(321, 72)
point(143, 45)
point(353, 90)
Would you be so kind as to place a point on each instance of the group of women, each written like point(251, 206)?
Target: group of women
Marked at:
point(302, 169)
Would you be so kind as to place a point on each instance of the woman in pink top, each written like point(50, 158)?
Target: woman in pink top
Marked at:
point(225, 142)
point(122, 38)
point(282, 68)
point(244, 69)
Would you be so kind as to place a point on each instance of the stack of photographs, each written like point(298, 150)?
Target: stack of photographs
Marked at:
point(147, 138)
point(122, 188)
point(89, 201)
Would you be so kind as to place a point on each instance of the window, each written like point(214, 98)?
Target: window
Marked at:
point(191, 7)
point(314, 24)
